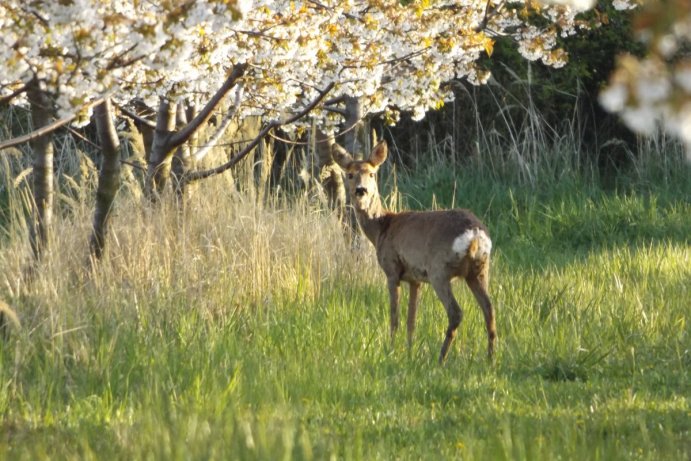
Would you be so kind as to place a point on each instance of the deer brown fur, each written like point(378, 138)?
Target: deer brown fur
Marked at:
point(421, 246)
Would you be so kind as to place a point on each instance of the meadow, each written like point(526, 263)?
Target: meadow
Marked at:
point(245, 331)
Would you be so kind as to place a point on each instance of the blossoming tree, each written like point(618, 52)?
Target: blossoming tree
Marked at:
point(65, 57)
point(369, 56)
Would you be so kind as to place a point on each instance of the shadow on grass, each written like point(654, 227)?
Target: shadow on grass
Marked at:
point(536, 227)
point(557, 230)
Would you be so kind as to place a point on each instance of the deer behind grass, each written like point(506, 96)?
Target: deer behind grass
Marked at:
point(421, 246)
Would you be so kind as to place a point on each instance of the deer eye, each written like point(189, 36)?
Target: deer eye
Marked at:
point(371, 175)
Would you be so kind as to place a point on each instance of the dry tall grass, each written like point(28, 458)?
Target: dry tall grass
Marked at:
point(224, 250)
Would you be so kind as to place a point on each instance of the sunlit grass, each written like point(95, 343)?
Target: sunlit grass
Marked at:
point(240, 331)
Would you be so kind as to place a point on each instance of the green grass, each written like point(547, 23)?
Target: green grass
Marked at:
point(249, 333)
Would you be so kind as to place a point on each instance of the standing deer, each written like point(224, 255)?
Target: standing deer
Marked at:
point(421, 246)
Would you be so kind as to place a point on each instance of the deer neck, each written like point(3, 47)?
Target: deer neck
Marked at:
point(371, 219)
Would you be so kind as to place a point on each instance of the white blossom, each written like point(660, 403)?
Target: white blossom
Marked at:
point(652, 92)
point(395, 57)
point(613, 98)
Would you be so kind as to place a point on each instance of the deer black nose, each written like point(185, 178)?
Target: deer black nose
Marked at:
point(360, 191)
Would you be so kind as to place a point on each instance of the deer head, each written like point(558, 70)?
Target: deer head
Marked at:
point(362, 177)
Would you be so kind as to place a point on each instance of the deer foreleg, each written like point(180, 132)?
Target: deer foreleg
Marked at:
point(412, 310)
point(394, 293)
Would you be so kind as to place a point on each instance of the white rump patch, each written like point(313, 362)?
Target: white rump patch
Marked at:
point(462, 242)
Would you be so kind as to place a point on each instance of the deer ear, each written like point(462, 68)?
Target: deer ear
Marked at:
point(378, 155)
point(341, 156)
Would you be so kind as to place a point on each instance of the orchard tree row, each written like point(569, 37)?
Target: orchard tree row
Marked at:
point(326, 64)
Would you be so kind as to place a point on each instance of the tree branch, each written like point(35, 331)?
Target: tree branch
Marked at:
point(334, 101)
point(46, 129)
point(6, 99)
point(489, 14)
point(227, 118)
point(137, 118)
point(327, 8)
point(180, 137)
point(197, 175)
point(134, 165)
point(336, 110)
point(118, 62)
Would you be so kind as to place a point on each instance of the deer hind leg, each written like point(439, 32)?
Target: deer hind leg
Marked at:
point(478, 285)
point(413, 301)
point(453, 312)
point(394, 293)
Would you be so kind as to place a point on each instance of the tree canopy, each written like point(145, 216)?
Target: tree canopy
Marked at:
point(394, 56)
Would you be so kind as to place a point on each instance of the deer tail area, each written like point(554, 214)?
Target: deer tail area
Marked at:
point(473, 243)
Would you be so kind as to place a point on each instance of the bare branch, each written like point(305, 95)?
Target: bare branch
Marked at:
point(489, 14)
point(82, 137)
point(309, 107)
point(118, 62)
point(6, 99)
point(259, 34)
point(44, 130)
point(196, 175)
point(227, 118)
point(180, 137)
point(334, 101)
point(336, 110)
point(325, 7)
point(134, 165)
point(137, 118)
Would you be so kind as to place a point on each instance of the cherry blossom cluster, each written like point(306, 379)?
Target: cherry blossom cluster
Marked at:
point(80, 50)
point(398, 57)
point(393, 56)
point(654, 92)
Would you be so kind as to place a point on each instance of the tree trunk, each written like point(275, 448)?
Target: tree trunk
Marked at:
point(183, 161)
point(41, 223)
point(330, 174)
point(161, 150)
point(166, 139)
point(146, 130)
point(265, 159)
point(282, 153)
point(355, 131)
point(108, 178)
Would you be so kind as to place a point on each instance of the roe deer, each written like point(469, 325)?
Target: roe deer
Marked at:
point(421, 246)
